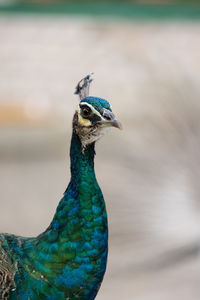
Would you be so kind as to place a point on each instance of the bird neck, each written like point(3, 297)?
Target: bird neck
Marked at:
point(77, 203)
point(82, 160)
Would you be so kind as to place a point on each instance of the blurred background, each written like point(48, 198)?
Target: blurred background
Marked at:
point(146, 60)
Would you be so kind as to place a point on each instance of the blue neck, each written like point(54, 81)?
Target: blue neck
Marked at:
point(81, 161)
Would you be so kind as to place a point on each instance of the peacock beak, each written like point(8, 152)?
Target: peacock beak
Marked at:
point(109, 119)
point(116, 123)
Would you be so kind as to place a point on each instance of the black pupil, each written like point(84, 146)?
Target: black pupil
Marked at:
point(86, 111)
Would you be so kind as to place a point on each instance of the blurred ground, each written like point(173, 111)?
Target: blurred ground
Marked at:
point(149, 172)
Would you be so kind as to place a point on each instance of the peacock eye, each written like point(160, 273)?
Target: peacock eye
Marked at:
point(85, 111)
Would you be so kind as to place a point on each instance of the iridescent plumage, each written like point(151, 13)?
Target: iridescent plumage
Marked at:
point(68, 260)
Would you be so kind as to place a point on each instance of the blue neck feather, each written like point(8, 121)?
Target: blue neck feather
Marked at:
point(82, 162)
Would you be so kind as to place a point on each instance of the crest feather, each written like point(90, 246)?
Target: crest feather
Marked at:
point(82, 88)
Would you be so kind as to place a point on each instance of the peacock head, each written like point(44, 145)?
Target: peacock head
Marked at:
point(93, 115)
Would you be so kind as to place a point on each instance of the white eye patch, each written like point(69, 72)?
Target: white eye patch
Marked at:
point(92, 108)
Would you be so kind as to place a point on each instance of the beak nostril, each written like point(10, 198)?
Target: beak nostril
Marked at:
point(107, 118)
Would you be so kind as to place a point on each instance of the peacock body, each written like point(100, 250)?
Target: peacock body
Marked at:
point(68, 260)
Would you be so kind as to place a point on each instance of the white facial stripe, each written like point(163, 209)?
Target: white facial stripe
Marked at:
point(93, 109)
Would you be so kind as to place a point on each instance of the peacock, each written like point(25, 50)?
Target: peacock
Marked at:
point(68, 260)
